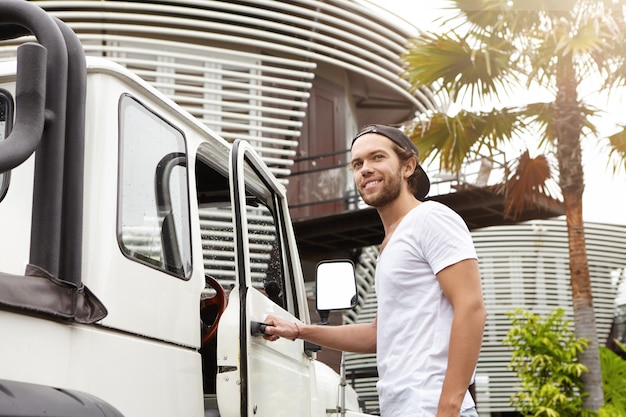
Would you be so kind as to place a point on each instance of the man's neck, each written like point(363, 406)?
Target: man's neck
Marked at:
point(391, 214)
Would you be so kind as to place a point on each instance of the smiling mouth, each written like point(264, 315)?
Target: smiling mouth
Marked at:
point(370, 184)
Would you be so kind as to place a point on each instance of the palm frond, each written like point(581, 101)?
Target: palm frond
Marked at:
point(527, 186)
point(617, 153)
point(542, 117)
point(588, 38)
point(528, 15)
point(457, 66)
point(595, 39)
point(442, 137)
point(454, 139)
point(611, 60)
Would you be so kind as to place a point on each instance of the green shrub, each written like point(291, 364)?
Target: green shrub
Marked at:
point(545, 359)
point(613, 383)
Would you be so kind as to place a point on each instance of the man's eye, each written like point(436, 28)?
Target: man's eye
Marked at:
point(356, 165)
point(378, 157)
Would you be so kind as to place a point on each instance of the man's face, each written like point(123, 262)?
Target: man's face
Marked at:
point(377, 170)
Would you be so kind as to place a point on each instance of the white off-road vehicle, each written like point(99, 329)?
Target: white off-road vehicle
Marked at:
point(140, 251)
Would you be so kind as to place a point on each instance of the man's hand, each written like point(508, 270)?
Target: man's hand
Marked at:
point(278, 327)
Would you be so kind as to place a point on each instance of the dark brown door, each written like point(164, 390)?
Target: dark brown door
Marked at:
point(317, 186)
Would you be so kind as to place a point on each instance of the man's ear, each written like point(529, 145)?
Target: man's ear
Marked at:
point(409, 167)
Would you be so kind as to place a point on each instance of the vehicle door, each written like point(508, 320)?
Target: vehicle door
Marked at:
point(271, 378)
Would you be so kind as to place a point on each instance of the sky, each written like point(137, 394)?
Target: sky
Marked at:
point(604, 199)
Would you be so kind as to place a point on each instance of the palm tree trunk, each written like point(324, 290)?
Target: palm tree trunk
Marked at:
point(584, 316)
point(568, 128)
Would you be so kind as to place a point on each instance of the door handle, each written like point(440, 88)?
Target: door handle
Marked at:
point(257, 328)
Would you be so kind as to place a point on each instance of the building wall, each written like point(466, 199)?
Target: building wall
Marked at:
point(246, 69)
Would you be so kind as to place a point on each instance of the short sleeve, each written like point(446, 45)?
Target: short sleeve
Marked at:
point(445, 238)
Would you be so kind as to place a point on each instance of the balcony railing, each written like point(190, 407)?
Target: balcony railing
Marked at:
point(325, 186)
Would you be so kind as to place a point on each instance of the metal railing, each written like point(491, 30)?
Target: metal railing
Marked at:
point(330, 182)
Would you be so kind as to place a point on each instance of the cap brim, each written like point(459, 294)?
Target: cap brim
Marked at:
point(423, 186)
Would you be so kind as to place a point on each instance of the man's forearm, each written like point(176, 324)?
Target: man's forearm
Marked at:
point(465, 342)
point(359, 338)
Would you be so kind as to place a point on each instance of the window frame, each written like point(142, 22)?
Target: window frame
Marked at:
point(183, 236)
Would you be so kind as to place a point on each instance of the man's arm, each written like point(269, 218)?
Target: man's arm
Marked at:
point(461, 285)
point(359, 337)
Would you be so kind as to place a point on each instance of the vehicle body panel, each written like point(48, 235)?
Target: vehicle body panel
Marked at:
point(144, 354)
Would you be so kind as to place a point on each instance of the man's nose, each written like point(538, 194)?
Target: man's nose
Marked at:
point(366, 168)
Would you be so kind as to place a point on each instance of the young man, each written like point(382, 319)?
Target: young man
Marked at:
point(430, 319)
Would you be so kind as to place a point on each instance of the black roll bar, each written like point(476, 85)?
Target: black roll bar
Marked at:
point(73, 178)
point(30, 96)
point(53, 70)
point(49, 155)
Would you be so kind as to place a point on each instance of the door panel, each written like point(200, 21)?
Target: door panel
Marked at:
point(273, 377)
point(279, 373)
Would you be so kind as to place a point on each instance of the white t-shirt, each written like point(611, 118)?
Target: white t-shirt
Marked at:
point(414, 318)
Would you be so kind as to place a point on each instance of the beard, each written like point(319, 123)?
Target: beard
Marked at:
point(386, 195)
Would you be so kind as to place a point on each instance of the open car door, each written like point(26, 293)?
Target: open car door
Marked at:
point(264, 378)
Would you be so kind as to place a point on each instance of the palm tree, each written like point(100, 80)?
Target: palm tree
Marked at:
point(495, 50)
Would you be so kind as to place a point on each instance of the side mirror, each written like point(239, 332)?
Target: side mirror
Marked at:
point(335, 284)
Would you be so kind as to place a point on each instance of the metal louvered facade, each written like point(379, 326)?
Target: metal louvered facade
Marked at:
point(246, 68)
point(522, 266)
